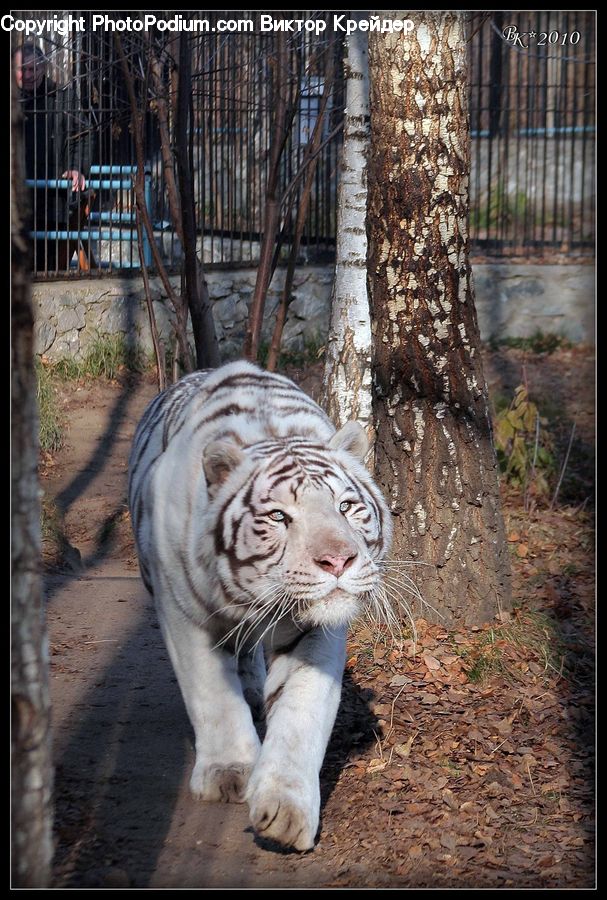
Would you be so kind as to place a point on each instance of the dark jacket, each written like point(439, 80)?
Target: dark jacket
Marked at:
point(57, 137)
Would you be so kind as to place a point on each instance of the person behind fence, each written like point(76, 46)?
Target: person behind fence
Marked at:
point(58, 145)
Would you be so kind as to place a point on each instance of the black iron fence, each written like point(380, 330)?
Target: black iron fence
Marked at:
point(532, 82)
point(532, 109)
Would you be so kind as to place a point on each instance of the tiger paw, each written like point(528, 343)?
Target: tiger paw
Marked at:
point(220, 783)
point(279, 812)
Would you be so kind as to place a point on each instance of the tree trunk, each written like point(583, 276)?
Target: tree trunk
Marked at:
point(434, 451)
point(179, 304)
point(308, 171)
point(31, 788)
point(283, 118)
point(347, 375)
point(196, 292)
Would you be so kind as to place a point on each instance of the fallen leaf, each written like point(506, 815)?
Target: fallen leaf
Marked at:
point(399, 680)
point(428, 699)
point(403, 750)
point(504, 726)
point(431, 661)
point(448, 841)
point(469, 806)
point(391, 805)
point(450, 800)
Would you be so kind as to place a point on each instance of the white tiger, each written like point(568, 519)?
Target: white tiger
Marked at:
point(260, 535)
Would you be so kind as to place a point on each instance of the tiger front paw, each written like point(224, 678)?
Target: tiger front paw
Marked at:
point(280, 811)
point(220, 783)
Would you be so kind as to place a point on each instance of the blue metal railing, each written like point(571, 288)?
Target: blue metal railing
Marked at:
point(110, 217)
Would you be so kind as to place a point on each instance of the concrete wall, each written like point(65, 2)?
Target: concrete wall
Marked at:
point(515, 300)
point(511, 301)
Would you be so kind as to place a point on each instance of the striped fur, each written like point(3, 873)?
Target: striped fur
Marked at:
point(259, 534)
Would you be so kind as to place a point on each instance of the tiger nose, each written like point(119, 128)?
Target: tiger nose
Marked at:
point(336, 565)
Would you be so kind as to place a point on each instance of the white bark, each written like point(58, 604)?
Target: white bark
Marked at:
point(347, 377)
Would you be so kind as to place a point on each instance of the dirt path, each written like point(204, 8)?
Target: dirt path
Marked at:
point(124, 754)
point(122, 740)
point(447, 813)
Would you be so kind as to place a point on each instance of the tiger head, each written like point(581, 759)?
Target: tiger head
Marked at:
point(299, 528)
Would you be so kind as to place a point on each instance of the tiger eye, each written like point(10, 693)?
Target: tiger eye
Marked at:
point(345, 505)
point(277, 515)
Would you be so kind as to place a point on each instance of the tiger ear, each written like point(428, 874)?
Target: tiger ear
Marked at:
point(219, 459)
point(352, 438)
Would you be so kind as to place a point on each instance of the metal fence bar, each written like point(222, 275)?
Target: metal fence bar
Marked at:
point(88, 234)
point(531, 119)
point(532, 179)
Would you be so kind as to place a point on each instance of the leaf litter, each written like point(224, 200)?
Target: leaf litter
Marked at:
point(465, 758)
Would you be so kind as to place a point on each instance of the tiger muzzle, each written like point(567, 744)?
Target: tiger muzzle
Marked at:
point(336, 565)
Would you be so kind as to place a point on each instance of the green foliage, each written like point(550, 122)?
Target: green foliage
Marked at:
point(503, 208)
point(487, 663)
point(523, 446)
point(106, 356)
point(50, 426)
point(500, 651)
point(537, 343)
point(312, 351)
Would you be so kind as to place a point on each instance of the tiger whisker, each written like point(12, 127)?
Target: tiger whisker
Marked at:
point(270, 608)
point(253, 608)
point(403, 581)
point(403, 605)
point(376, 612)
point(254, 621)
point(285, 607)
point(405, 562)
point(416, 593)
point(380, 607)
point(393, 622)
point(278, 605)
point(405, 584)
point(245, 603)
point(252, 616)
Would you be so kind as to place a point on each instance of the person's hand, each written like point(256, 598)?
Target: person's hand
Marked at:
point(78, 179)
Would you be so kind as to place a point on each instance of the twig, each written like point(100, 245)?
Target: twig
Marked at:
point(103, 641)
point(158, 346)
point(300, 172)
point(497, 746)
point(564, 466)
point(281, 128)
point(181, 311)
point(530, 779)
point(535, 449)
point(302, 212)
point(391, 724)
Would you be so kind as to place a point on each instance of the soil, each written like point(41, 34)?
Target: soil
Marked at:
point(464, 760)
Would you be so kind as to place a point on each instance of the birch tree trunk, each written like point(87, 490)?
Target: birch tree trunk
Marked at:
point(31, 782)
point(434, 452)
point(347, 375)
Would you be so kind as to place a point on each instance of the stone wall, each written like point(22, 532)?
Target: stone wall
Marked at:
point(512, 301)
point(71, 314)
